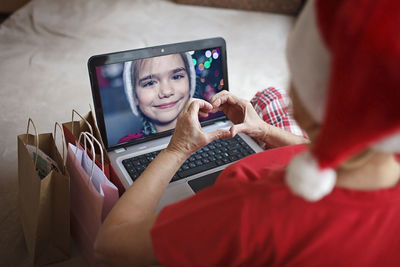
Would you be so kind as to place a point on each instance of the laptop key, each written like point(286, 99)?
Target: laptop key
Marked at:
point(185, 166)
point(192, 165)
point(219, 162)
point(204, 160)
point(198, 162)
point(197, 169)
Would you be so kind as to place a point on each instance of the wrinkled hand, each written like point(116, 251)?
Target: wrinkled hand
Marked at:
point(188, 136)
point(240, 112)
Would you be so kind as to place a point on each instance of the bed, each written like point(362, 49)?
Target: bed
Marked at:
point(44, 48)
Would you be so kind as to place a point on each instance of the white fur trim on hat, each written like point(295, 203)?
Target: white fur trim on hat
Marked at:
point(306, 179)
point(309, 62)
point(127, 76)
point(389, 144)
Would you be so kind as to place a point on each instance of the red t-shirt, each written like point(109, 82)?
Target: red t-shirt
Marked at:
point(250, 218)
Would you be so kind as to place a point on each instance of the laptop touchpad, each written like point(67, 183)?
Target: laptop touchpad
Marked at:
point(184, 190)
point(203, 182)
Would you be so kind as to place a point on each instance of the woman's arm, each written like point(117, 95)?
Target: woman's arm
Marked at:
point(124, 238)
point(246, 120)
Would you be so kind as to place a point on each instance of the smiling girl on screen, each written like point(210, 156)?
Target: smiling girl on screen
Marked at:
point(157, 89)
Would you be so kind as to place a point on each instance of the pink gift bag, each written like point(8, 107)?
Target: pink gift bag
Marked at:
point(92, 196)
point(88, 123)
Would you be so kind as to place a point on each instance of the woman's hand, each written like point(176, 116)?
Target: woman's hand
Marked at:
point(246, 120)
point(188, 136)
point(241, 113)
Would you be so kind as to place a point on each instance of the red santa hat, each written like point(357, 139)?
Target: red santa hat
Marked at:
point(344, 58)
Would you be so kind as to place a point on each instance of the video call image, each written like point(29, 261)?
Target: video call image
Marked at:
point(145, 96)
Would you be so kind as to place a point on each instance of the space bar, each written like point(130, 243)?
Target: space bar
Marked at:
point(197, 169)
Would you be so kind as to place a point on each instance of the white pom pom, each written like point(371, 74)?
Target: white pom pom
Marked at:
point(305, 179)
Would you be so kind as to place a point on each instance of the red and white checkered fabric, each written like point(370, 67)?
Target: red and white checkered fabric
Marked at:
point(274, 106)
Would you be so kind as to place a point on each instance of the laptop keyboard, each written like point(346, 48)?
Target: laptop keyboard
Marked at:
point(217, 153)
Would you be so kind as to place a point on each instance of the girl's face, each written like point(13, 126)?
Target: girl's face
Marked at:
point(162, 88)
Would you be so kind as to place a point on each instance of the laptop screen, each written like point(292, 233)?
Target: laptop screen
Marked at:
point(138, 97)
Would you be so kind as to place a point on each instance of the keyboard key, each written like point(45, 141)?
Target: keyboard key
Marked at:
point(233, 146)
point(204, 160)
point(192, 165)
point(185, 167)
point(233, 152)
point(197, 169)
point(137, 163)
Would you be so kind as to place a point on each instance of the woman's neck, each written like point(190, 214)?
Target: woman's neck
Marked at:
point(381, 170)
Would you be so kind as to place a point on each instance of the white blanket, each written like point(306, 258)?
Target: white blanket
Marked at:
point(44, 48)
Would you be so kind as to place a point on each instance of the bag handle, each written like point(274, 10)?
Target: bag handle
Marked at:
point(87, 123)
point(86, 136)
point(92, 111)
point(100, 148)
point(30, 121)
point(63, 141)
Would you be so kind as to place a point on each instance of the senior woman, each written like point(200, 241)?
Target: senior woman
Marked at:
point(333, 202)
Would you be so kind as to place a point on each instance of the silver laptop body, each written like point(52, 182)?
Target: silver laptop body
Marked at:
point(115, 111)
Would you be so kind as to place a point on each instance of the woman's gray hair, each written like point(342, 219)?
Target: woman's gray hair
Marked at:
point(129, 81)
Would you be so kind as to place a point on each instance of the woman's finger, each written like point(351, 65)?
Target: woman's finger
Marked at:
point(218, 95)
point(237, 128)
point(197, 106)
point(229, 99)
point(217, 101)
point(221, 133)
point(203, 114)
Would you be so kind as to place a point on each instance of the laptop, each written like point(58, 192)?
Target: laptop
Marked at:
point(137, 96)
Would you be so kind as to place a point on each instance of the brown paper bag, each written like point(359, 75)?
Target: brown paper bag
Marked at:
point(73, 129)
point(43, 202)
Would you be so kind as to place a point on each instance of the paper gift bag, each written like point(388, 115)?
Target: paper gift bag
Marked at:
point(73, 129)
point(92, 197)
point(43, 200)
